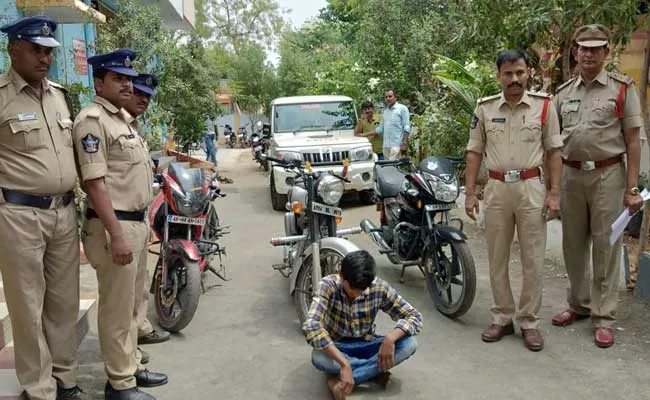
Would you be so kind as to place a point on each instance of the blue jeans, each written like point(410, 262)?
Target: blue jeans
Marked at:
point(380, 156)
point(363, 356)
point(211, 154)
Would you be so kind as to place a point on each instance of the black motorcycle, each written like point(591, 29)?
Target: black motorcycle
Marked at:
point(414, 203)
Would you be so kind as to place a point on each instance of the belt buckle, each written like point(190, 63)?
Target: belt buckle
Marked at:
point(587, 165)
point(512, 176)
point(57, 202)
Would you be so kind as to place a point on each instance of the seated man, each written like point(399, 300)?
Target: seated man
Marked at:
point(340, 326)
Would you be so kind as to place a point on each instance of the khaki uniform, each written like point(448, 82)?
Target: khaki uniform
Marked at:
point(592, 199)
point(39, 248)
point(142, 301)
point(514, 139)
point(108, 147)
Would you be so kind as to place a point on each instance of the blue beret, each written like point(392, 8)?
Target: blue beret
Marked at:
point(145, 83)
point(38, 29)
point(118, 61)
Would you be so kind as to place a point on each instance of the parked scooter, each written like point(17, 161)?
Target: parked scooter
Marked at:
point(185, 223)
point(313, 247)
point(242, 137)
point(409, 203)
point(230, 136)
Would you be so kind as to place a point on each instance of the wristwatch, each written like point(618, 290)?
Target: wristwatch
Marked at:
point(634, 191)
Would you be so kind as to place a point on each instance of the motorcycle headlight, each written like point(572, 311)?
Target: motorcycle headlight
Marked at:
point(330, 189)
point(361, 154)
point(289, 155)
point(445, 192)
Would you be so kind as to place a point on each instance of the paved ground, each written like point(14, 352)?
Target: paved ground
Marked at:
point(245, 341)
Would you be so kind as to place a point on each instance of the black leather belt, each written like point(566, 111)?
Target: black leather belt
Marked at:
point(121, 215)
point(44, 202)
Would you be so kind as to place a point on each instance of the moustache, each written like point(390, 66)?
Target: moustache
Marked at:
point(513, 85)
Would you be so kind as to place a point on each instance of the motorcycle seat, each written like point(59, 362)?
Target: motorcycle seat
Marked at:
point(389, 180)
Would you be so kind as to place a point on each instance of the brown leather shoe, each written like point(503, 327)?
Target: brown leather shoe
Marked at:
point(495, 332)
point(533, 339)
point(567, 317)
point(604, 337)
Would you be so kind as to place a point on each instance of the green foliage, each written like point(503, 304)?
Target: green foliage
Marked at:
point(186, 87)
point(76, 91)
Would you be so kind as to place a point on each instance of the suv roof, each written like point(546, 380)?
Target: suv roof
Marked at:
point(308, 99)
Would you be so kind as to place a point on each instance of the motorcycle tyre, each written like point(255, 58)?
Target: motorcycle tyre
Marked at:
point(278, 201)
point(468, 270)
point(189, 297)
point(303, 280)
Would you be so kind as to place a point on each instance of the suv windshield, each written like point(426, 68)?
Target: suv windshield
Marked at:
point(314, 117)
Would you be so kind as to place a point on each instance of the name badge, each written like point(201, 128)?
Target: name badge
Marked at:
point(26, 117)
point(500, 120)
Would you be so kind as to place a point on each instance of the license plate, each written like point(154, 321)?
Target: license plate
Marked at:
point(325, 209)
point(258, 148)
point(438, 207)
point(177, 219)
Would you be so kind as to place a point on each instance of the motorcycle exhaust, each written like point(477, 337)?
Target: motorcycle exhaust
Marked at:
point(348, 231)
point(368, 227)
point(286, 240)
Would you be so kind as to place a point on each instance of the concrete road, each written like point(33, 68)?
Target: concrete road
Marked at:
point(245, 341)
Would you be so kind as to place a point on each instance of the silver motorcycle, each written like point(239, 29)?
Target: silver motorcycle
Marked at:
point(310, 226)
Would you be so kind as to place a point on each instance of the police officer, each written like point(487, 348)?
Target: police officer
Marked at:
point(144, 87)
point(116, 174)
point(515, 130)
point(600, 118)
point(39, 241)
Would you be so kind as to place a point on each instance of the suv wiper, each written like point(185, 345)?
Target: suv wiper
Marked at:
point(302, 128)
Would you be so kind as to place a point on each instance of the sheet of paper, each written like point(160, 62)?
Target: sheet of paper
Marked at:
point(618, 227)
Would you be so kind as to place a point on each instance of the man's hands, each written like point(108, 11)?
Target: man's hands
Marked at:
point(121, 251)
point(347, 380)
point(633, 202)
point(471, 206)
point(551, 206)
point(386, 358)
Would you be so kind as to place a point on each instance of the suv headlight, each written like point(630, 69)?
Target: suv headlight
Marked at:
point(445, 192)
point(330, 189)
point(361, 154)
point(289, 155)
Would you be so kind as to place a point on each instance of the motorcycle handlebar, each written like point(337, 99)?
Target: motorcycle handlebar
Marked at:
point(401, 161)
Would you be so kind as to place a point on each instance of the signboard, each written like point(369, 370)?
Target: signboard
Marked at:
point(80, 61)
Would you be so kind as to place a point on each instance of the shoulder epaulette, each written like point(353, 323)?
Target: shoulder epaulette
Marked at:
point(489, 98)
point(565, 84)
point(94, 111)
point(4, 80)
point(621, 78)
point(56, 85)
point(543, 95)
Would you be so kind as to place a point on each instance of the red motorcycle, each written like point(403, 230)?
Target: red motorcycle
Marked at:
point(185, 223)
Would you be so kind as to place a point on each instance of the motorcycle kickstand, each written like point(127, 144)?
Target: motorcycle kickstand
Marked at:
point(217, 273)
point(401, 276)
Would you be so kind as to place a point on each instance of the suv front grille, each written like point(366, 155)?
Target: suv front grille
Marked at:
point(323, 158)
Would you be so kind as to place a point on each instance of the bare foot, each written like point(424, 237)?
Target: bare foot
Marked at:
point(382, 379)
point(336, 388)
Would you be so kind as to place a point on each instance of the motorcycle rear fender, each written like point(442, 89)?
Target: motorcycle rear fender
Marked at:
point(451, 233)
point(186, 247)
point(337, 244)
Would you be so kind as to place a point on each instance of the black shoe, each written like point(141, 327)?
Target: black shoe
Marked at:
point(147, 378)
point(144, 355)
point(74, 393)
point(126, 394)
point(154, 337)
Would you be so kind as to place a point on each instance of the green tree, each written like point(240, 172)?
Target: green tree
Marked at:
point(185, 95)
point(234, 23)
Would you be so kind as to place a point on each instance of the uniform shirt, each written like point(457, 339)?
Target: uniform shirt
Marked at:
point(366, 126)
point(108, 146)
point(591, 129)
point(513, 137)
point(332, 316)
point(36, 154)
point(393, 125)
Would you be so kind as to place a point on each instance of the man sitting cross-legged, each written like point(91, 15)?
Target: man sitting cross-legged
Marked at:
point(340, 325)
